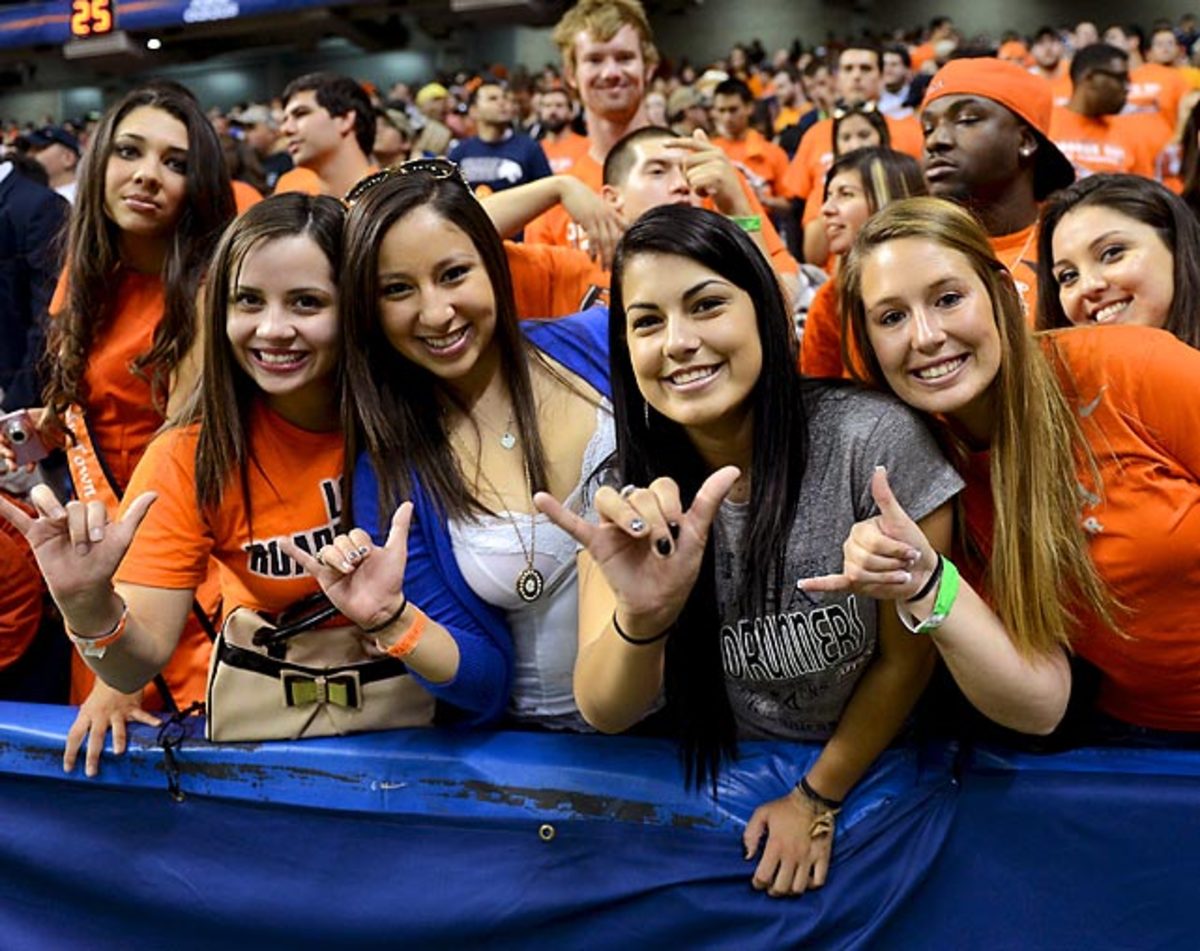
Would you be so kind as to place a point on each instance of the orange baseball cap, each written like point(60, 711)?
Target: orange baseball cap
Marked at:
point(1027, 96)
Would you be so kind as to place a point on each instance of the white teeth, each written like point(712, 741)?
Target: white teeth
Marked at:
point(444, 343)
point(1109, 311)
point(942, 369)
point(279, 359)
point(691, 376)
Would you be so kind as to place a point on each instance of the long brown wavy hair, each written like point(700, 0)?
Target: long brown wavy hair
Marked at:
point(94, 260)
point(222, 404)
point(390, 406)
point(1040, 570)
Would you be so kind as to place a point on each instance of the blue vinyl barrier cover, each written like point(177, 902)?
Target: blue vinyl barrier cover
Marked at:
point(524, 840)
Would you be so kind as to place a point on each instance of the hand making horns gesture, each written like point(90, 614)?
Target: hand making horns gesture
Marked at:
point(647, 547)
point(362, 580)
point(886, 557)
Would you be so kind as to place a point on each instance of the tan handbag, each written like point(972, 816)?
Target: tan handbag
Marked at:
point(292, 678)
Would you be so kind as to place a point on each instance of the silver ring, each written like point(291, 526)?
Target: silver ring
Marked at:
point(627, 491)
point(321, 559)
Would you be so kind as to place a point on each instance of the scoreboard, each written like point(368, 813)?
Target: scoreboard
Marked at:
point(92, 17)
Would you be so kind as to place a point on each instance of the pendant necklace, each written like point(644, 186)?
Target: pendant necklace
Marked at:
point(530, 582)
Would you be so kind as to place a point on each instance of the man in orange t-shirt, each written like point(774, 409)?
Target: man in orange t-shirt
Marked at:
point(762, 162)
point(1049, 63)
point(859, 80)
point(1090, 130)
point(329, 125)
point(986, 147)
point(1158, 85)
point(562, 145)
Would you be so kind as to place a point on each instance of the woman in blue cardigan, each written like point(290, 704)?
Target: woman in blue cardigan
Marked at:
point(451, 404)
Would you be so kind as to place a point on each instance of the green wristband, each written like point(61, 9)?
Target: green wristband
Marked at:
point(748, 223)
point(946, 596)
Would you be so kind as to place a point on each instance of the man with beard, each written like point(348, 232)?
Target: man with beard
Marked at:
point(562, 144)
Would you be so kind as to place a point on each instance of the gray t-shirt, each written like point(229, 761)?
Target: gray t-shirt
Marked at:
point(790, 675)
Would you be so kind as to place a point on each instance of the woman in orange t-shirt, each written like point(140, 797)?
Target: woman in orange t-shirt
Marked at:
point(1119, 249)
point(153, 198)
point(1090, 496)
point(256, 458)
point(858, 184)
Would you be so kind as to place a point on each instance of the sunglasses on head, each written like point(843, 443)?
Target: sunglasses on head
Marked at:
point(437, 168)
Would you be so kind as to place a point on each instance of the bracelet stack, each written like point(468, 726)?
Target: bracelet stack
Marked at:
point(946, 578)
point(825, 809)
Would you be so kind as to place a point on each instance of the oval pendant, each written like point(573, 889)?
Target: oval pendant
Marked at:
point(508, 440)
point(529, 584)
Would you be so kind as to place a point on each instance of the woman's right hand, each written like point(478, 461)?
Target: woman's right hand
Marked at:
point(38, 416)
point(648, 548)
point(361, 579)
point(105, 708)
point(77, 548)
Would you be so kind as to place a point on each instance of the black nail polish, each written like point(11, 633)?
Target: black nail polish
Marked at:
point(673, 528)
point(664, 546)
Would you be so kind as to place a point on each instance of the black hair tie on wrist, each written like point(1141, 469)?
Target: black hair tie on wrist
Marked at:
point(930, 583)
point(638, 640)
point(832, 804)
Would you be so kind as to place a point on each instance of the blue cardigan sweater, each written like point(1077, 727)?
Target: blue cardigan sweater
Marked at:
point(432, 579)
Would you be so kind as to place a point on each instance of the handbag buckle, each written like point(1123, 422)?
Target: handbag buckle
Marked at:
point(341, 689)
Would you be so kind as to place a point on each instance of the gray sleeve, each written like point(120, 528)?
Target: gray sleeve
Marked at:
point(918, 473)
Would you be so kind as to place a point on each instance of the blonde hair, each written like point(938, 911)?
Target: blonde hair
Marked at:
point(1040, 570)
point(603, 19)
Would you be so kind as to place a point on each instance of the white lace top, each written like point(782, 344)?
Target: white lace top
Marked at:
point(490, 556)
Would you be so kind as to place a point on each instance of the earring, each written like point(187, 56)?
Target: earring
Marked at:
point(1026, 152)
point(646, 412)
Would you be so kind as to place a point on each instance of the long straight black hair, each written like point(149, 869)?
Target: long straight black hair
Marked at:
point(650, 445)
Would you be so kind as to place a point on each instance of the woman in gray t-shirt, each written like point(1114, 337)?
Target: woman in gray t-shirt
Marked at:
point(716, 430)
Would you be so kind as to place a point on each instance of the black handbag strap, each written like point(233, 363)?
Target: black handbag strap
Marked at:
point(305, 615)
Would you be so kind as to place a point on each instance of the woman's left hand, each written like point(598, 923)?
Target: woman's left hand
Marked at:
point(105, 708)
point(886, 557)
point(793, 860)
point(362, 580)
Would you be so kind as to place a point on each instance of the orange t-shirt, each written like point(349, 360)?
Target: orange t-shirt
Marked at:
point(295, 491)
point(21, 595)
point(1131, 143)
point(120, 411)
point(553, 282)
point(299, 179)
point(806, 174)
point(555, 226)
point(1157, 88)
point(245, 195)
point(821, 345)
point(1019, 253)
point(563, 153)
point(1134, 388)
point(762, 159)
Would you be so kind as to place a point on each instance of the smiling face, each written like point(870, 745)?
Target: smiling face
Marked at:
point(693, 342)
point(282, 322)
point(1111, 268)
point(610, 75)
point(145, 177)
point(932, 326)
point(845, 210)
point(436, 302)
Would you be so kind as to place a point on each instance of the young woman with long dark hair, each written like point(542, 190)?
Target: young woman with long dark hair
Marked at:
point(716, 429)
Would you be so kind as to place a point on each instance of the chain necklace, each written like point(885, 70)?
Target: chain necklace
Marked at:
point(530, 582)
